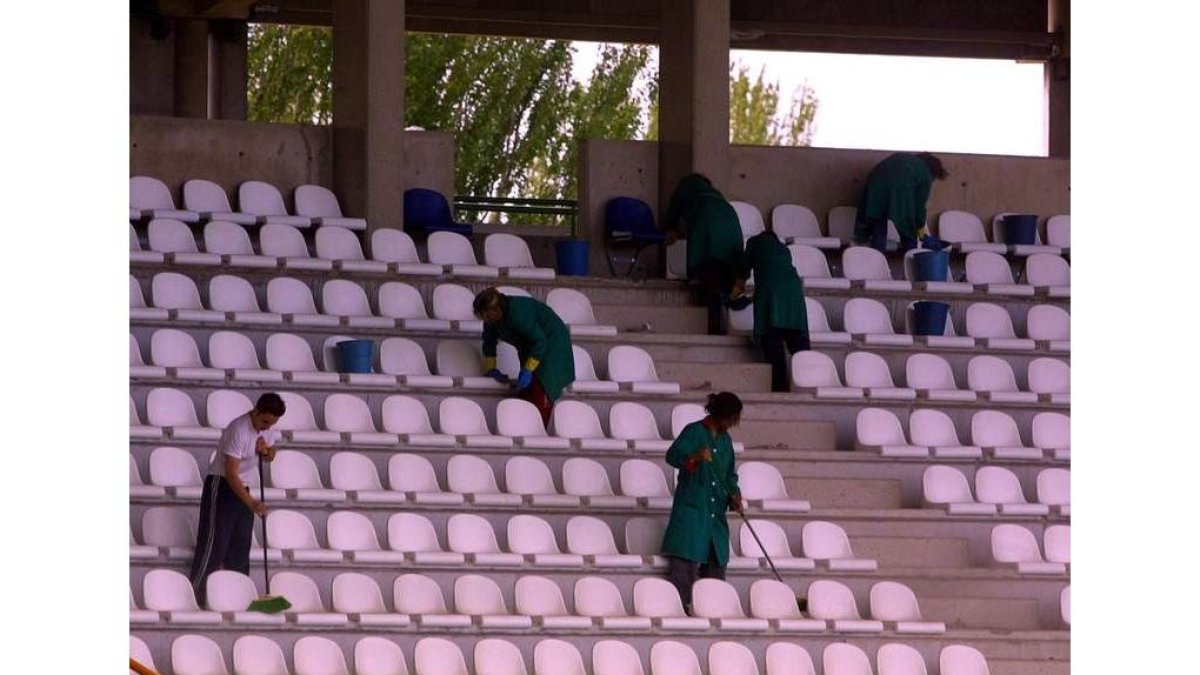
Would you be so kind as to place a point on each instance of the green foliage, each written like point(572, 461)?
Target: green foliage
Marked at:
point(753, 106)
point(290, 74)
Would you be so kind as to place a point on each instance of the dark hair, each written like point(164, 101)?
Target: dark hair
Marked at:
point(486, 299)
point(935, 165)
point(723, 405)
point(271, 404)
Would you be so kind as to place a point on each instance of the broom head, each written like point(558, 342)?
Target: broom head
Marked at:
point(270, 604)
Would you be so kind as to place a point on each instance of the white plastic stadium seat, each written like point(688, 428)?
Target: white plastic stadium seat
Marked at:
point(815, 372)
point(557, 657)
point(586, 380)
point(717, 600)
point(321, 205)
point(776, 601)
point(176, 351)
point(542, 599)
point(264, 201)
point(897, 658)
point(1054, 489)
point(348, 300)
point(575, 310)
point(173, 409)
point(293, 532)
point(197, 655)
point(315, 655)
point(590, 537)
point(170, 528)
point(413, 535)
point(406, 416)
point(668, 657)
point(934, 429)
point(896, 605)
point(297, 473)
point(414, 475)
point(1016, 546)
point(643, 536)
point(842, 658)
point(472, 476)
point(293, 300)
point(1057, 542)
point(406, 360)
point(137, 366)
point(947, 487)
point(357, 593)
point(453, 303)
point(511, 254)
point(463, 361)
point(438, 656)
point(236, 354)
point(819, 331)
point(396, 248)
point(1058, 231)
point(235, 296)
point(749, 218)
point(530, 477)
point(992, 326)
point(138, 488)
point(962, 660)
point(299, 424)
point(1050, 379)
point(342, 246)
point(834, 602)
point(288, 245)
point(399, 300)
point(1050, 324)
point(636, 423)
point(633, 368)
point(774, 543)
point(166, 590)
point(870, 321)
point(292, 355)
point(1052, 431)
point(480, 597)
point(140, 652)
point(827, 542)
point(257, 655)
point(657, 599)
point(965, 231)
point(870, 268)
point(229, 591)
point(137, 304)
point(933, 379)
point(579, 422)
point(588, 479)
point(998, 431)
point(462, 417)
point(868, 371)
point(173, 237)
point(152, 199)
point(307, 607)
point(796, 224)
point(813, 268)
point(788, 658)
point(599, 598)
point(420, 597)
point(520, 420)
point(494, 656)
point(644, 480)
point(178, 295)
point(174, 468)
point(210, 201)
point(877, 428)
point(378, 656)
point(992, 377)
point(353, 533)
point(454, 252)
point(762, 486)
point(991, 271)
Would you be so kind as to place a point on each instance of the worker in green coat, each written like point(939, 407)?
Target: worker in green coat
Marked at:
point(696, 541)
point(543, 345)
point(714, 241)
point(897, 190)
point(780, 315)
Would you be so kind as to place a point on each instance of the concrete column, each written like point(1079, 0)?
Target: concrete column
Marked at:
point(693, 113)
point(228, 81)
point(1058, 81)
point(368, 109)
point(191, 68)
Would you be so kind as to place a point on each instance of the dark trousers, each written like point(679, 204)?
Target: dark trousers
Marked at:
point(223, 539)
point(873, 231)
point(774, 341)
point(536, 395)
point(716, 281)
point(683, 573)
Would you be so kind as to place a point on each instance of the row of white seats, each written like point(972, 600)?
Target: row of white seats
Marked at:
point(988, 325)
point(997, 490)
point(930, 377)
point(398, 361)
point(1016, 546)
point(343, 303)
point(866, 268)
point(405, 420)
point(259, 203)
point(471, 540)
point(478, 601)
point(797, 224)
point(413, 478)
point(933, 432)
point(193, 654)
point(336, 248)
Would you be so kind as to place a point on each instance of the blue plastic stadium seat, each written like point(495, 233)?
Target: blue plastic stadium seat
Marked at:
point(427, 211)
point(628, 220)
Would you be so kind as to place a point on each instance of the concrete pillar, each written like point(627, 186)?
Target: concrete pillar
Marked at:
point(368, 109)
point(1058, 81)
point(693, 112)
point(191, 68)
point(228, 81)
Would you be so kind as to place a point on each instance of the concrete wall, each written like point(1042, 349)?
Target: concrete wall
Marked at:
point(151, 71)
point(229, 152)
point(819, 178)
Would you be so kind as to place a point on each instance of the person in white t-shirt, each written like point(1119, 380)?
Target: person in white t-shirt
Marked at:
point(227, 508)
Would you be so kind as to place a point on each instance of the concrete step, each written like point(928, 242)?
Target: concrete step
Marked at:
point(914, 552)
point(735, 377)
point(788, 436)
point(686, 320)
point(845, 493)
point(982, 613)
point(1028, 667)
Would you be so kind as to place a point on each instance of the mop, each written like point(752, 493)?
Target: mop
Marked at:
point(267, 603)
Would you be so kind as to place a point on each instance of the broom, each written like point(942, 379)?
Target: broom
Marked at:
point(267, 603)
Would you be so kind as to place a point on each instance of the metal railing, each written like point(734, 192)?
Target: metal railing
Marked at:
point(546, 212)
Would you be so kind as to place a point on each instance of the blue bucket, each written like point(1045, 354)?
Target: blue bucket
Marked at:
point(354, 356)
point(929, 317)
point(931, 266)
point(572, 257)
point(1020, 228)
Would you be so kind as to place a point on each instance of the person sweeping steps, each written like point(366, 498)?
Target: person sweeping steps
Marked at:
point(543, 345)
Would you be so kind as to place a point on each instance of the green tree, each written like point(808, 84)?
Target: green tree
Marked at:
point(290, 72)
point(754, 106)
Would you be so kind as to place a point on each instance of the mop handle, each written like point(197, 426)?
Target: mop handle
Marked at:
point(728, 493)
point(262, 497)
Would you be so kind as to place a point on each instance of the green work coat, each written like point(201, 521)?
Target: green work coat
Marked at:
point(697, 530)
point(536, 332)
point(713, 230)
point(778, 290)
point(897, 188)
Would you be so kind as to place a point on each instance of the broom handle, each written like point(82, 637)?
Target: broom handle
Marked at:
point(760, 546)
point(262, 497)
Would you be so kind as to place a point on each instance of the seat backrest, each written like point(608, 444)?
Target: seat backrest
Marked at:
point(818, 322)
point(961, 660)
point(774, 540)
point(627, 363)
point(945, 485)
point(229, 591)
point(167, 235)
point(841, 222)
point(616, 657)
point(843, 658)
point(789, 658)
point(656, 597)
point(643, 536)
point(174, 349)
point(1049, 376)
point(961, 226)
point(538, 596)
point(576, 419)
point(985, 267)
point(989, 320)
point(865, 263)
point(341, 297)
point(478, 595)
point(1051, 430)
point(140, 652)
point(867, 369)
point(814, 369)
point(773, 599)
point(598, 596)
point(136, 298)
point(399, 300)
point(288, 529)
point(196, 654)
point(668, 657)
point(147, 192)
point(998, 485)
point(518, 418)
point(525, 475)
point(351, 531)
point(451, 301)
point(643, 478)
point(1047, 269)
point(378, 656)
point(316, 201)
point(171, 290)
point(228, 293)
point(994, 429)
point(1048, 322)
point(225, 405)
point(1057, 541)
point(461, 417)
point(716, 599)
point(506, 250)
point(402, 356)
point(585, 477)
point(393, 246)
point(632, 421)
point(315, 655)
point(590, 536)
point(468, 474)
point(897, 658)
point(205, 196)
point(823, 540)
point(761, 480)
point(166, 407)
point(557, 657)
point(928, 371)
point(412, 532)
point(338, 243)
point(731, 658)
point(405, 415)
point(418, 594)
point(749, 218)
point(459, 358)
point(438, 656)
point(450, 248)
point(230, 350)
point(1054, 487)
point(425, 208)
point(299, 414)
point(293, 469)
point(353, 471)
point(892, 601)
point(286, 295)
point(990, 373)
point(584, 370)
point(1058, 230)
point(168, 526)
point(260, 199)
point(531, 535)
point(809, 262)
point(794, 220)
point(932, 428)
point(684, 414)
point(257, 655)
point(864, 316)
point(877, 426)
point(572, 307)
point(282, 241)
point(628, 214)
point(289, 352)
